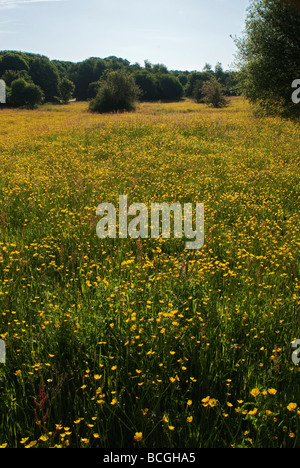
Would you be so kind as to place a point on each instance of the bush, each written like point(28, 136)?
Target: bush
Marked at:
point(25, 94)
point(213, 94)
point(117, 92)
point(146, 81)
point(169, 87)
point(66, 89)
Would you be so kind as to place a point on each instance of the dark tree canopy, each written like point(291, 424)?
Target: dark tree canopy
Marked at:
point(60, 80)
point(269, 55)
point(118, 92)
point(44, 74)
point(24, 94)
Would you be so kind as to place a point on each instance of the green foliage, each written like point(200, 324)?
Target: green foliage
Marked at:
point(195, 79)
point(84, 73)
point(118, 92)
point(44, 74)
point(197, 91)
point(148, 85)
point(155, 81)
point(169, 87)
point(24, 94)
point(12, 61)
point(66, 89)
point(11, 75)
point(269, 55)
point(213, 94)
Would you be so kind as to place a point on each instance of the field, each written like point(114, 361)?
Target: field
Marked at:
point(141, 343)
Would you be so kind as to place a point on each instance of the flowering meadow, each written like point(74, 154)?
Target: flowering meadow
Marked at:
point(124, 343)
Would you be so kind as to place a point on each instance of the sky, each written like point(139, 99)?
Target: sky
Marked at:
point(181, 34)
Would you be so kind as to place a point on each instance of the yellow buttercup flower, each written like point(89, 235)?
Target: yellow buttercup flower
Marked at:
point(292, 406)
point(138, 436)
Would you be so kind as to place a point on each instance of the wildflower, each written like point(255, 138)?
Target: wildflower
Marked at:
point(31, 444)
point(165, 419)
point(24, 440)
point(85, 441)
point(205, 401)
point(253, 412)
point(114, 402)
point(212, 402)
point(96, 435)
point(3, 446)
point(189, 402)
point(255, 392)
point(292, 406)
point(171, 428)
point(272, 391)
point(189, 419)
point(138, 436)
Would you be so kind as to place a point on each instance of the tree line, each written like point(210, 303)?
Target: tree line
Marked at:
point(267, 67)
point(32, 79)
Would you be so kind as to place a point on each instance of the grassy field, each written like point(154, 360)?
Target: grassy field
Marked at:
point(125, 343)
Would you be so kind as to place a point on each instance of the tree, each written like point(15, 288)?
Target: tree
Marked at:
point(212, 93)
point(169, 87)
point(118, 92)
point(66, 89)
point(197, 91)
point(44, 74)
point(12, 61)
point(195, 79)
point(11, 75)
point(24, 94)
point(147, 83)
point(84, 73)
point(269, 55)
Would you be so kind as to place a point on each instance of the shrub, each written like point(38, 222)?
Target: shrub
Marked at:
point(169, 87)
point(213, 94)
point(66, 89)
point(117, 92)
point(25, 94)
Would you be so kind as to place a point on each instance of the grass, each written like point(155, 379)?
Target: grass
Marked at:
point(125, 343)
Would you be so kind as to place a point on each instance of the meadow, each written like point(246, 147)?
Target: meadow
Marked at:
point(141, 343)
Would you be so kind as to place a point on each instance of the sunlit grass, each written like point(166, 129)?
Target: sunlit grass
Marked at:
point(120, 343)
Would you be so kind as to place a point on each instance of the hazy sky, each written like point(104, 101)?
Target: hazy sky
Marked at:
point(182, 34)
